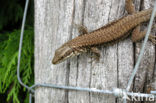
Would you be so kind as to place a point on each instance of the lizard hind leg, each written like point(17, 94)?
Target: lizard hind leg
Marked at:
point(152, 39)
point(138, 35)
point(129, 6)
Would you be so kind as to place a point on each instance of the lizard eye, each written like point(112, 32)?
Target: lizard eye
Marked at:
point(61, 57)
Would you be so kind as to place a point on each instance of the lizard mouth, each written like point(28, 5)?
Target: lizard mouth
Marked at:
point(57, 60)
point(54, 61)
point(62, 53)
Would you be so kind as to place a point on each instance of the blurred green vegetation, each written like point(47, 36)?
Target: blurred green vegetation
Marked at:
point(11, 14)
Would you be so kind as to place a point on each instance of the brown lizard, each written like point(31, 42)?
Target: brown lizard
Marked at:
point(111, 32)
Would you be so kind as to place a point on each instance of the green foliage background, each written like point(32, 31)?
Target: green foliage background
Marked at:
point(11, 13)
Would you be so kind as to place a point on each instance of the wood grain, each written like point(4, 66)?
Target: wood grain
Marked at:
point(54, 26)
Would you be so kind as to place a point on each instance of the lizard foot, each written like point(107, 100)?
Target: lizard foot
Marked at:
point(96, 53)
point(81, 28)
point(94, 58)
point(152, 38)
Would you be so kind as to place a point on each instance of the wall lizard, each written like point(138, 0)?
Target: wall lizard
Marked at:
point(109, 33)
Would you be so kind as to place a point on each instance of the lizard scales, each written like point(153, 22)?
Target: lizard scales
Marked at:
point(109, 33)
point(112, 31)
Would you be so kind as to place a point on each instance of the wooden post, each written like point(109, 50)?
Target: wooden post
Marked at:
point(54, 26)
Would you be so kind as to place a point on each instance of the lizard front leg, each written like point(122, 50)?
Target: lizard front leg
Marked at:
point(83, 30)
point(96, 53)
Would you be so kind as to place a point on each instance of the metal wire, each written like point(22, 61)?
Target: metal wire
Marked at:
point(153, 92)
point(20, 47)
point(116, 91)
point(30, 98)
point(142, 49)
point(73, 88)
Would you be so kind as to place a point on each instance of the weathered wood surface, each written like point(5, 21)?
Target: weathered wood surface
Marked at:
point(53, 27)
point(144, 80)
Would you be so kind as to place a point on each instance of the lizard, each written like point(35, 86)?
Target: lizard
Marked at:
point(111, 32)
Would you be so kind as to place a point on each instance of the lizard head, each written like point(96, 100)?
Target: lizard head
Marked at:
point(63, 53)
